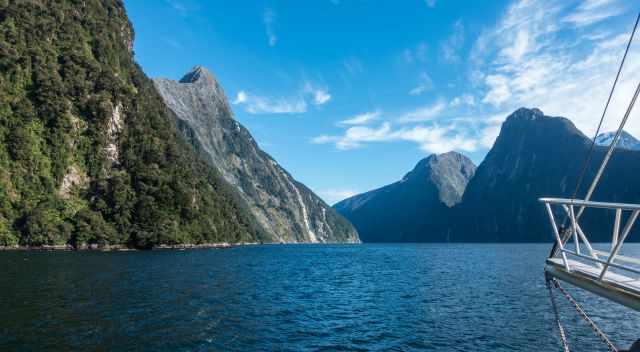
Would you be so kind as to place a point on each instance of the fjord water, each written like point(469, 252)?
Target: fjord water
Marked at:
point(448, 297)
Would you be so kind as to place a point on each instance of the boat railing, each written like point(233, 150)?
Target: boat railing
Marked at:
point(602, 260)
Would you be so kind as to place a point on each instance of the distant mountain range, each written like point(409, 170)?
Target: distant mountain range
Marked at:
point(534, 156)
point(626, 141)
point(416, 208)
point(285, 208)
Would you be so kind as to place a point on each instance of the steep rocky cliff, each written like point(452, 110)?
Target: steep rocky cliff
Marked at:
point(540, 156)
point(89, 153)
point(285, 208)
point(416, 208)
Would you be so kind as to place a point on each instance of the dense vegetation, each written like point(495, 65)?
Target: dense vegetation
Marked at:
point(88, 152)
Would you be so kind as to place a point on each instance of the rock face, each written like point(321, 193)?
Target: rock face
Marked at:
point(536, 156)
point(286, 209)
point(89, 153)
point(627, 141)
point(416, 208)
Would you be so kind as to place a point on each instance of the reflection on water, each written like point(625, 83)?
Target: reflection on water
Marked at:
point(449, 297)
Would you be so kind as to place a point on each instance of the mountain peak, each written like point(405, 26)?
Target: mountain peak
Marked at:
point(198, 74)
point(449, 172)
point(526, 113)
point(626, 141)
point(528, 123)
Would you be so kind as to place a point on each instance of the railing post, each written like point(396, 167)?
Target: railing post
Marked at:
point(557, 234)
point(616, 249)
point(584, 238)
point(616, 228)
point(574, 229)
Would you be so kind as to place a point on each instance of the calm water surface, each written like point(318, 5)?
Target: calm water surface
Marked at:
point(441, 297)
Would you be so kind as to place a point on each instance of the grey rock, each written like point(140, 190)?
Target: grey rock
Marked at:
point(416, 208)
point(286, 209)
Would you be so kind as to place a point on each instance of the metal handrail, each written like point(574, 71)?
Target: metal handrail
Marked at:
point(590, 204)
point(618, 237)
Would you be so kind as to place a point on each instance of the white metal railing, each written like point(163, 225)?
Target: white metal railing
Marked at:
point(600, 259)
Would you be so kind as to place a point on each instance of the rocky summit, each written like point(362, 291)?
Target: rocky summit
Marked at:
point(536, 156)
point(286, 209)
point(416, 208)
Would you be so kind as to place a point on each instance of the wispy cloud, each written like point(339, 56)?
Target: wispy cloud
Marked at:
point(424, 113)
point(417, 54)
point(332, 196)
point(463, 100)
point(360, 119)
point(177, 6)
point(424, 84)
point(593, 11)
point(309, 95)
point(430, 138)
point(263, 105)
point(355, 136)
point(430, 3)
point(320, 96)
point(450, 48)
point(545, 54)
point(269, 18)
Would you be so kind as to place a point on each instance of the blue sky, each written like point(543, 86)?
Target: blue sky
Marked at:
point(348, 95)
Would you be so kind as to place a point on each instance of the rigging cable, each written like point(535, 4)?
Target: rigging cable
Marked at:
point(587, 159)
point(604, 112)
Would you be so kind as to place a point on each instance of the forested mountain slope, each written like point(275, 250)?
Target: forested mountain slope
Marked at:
point(88, 151)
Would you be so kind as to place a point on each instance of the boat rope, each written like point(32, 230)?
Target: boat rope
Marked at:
point(582, 313)
point(563, 336)
point(589, 155)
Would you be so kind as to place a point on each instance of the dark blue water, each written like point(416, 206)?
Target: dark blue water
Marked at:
point(465, 297)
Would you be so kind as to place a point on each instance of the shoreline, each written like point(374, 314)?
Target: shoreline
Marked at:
point(122, 248)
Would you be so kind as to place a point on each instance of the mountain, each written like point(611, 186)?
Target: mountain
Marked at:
point(539, 156)
point(627, 141)
point(416, 208)
point(285, 208)
point(89, 153)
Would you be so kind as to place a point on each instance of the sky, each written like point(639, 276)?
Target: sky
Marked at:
point(348, 95)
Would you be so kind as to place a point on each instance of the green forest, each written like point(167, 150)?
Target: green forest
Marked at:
point(89, 154)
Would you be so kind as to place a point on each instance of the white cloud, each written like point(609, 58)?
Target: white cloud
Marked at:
point(360, 119)
point(489, 135)
point(354, 137)
point(430, 3)
point(240, 98)
point(269, 18)
point(424, 84)
point(263, 105)
point(332, 196)
point(544, 54)
point(430, 139)
point(593, 11)
point(320, 96)
point(298, 103)
point(499, 91)
point(424, 113)
point(449, 49)
point(462, 100)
